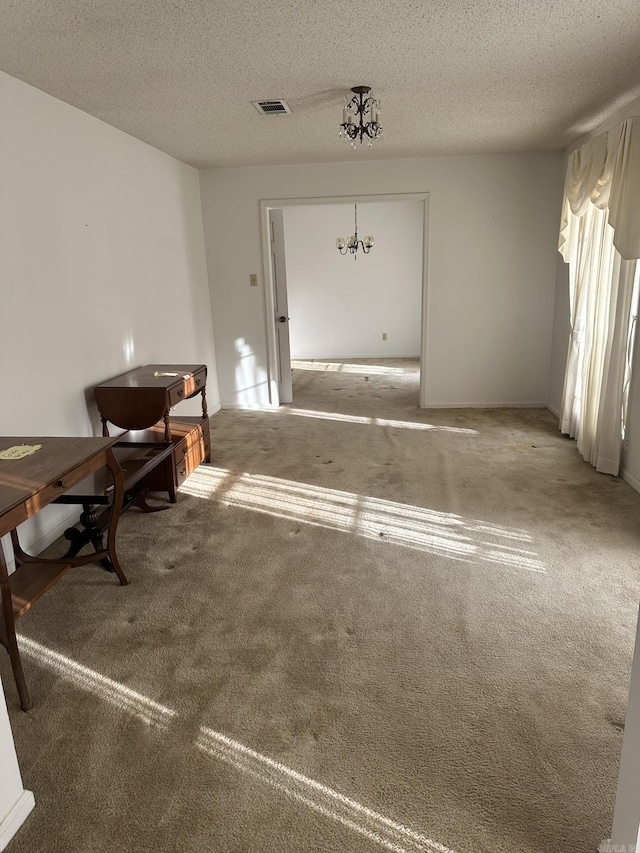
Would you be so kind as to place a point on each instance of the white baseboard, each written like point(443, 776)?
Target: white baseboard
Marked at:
point(15, 818)
point(215, 409)
point(629, 478)
point(553, 411)
point(56, 532)
point(263, 406)
point(347, 358)
point(37, 547)
point(254, 407)
point(431, 405)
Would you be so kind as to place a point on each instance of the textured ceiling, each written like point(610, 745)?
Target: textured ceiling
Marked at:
point(454, 76)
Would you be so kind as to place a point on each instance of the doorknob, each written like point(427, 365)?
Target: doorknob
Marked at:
point(283, 319)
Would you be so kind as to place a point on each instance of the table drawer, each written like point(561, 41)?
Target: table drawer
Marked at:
point(67, 481)
point(186, 388)
point(197, 437)
point(190, 462)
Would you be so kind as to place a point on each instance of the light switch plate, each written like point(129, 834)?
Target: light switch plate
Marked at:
point(253, 280)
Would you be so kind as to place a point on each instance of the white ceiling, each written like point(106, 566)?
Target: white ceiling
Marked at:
point(454, 76)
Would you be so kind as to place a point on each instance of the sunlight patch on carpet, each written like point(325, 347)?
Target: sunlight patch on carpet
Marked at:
point(358, 419)
point(342, 367)
point(316, 796)
point(93, 682)
point(441, 533)
point(294, 785)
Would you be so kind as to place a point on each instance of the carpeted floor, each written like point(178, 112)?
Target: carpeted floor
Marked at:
point(363, 627)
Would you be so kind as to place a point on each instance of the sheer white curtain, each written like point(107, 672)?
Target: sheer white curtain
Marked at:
point(600, 240)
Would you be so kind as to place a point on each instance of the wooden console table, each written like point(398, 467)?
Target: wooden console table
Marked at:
point(141, 401)
point(28, 485)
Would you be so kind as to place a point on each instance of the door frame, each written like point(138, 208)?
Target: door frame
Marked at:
point(278, 268)
point(269, 290)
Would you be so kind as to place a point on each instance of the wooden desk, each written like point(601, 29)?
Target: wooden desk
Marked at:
point(26, 486)
point(141, 401)
point(142, 397)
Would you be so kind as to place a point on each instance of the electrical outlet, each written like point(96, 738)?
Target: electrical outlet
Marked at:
point(253, 280)
point(384, 336)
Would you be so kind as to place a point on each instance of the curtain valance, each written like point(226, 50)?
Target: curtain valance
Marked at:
point(605, 172)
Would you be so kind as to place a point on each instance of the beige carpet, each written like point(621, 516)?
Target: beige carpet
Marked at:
point(364, 627)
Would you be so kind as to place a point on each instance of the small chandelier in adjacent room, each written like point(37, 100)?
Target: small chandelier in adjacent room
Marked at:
point(354, 124)
point(352, 244)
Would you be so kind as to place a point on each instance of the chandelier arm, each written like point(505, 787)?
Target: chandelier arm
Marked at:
point(353, 244)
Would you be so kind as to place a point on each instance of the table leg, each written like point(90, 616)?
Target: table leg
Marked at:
point(170, 477)
point(8, 635)
point(205, 417)
point(116, 509)
point(139, 500)
point(90, 532)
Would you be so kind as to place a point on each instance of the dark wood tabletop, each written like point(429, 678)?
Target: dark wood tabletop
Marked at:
point(153, 376)
point(57, 466)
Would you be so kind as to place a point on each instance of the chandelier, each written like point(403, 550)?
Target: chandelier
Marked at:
point(355, 109)
point(352, 244)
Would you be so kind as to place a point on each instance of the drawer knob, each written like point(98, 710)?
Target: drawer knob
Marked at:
point(180, 393)
point(184, 471)
point(60, 484)
point(198, 381)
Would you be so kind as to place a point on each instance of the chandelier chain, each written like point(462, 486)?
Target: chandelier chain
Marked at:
point(353, 243)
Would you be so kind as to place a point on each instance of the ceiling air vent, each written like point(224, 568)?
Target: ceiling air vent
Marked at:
point(272, 108)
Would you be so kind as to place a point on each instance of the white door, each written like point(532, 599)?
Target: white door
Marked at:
point(279, 272)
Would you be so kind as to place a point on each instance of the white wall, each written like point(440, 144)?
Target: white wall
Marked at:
point(339, 307)
point(102, 266)
point(626, 820)
point(631, 446)
point(15, 803)
point(492, 265)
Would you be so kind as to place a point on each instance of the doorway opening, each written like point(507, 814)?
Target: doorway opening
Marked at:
point(342, 309)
